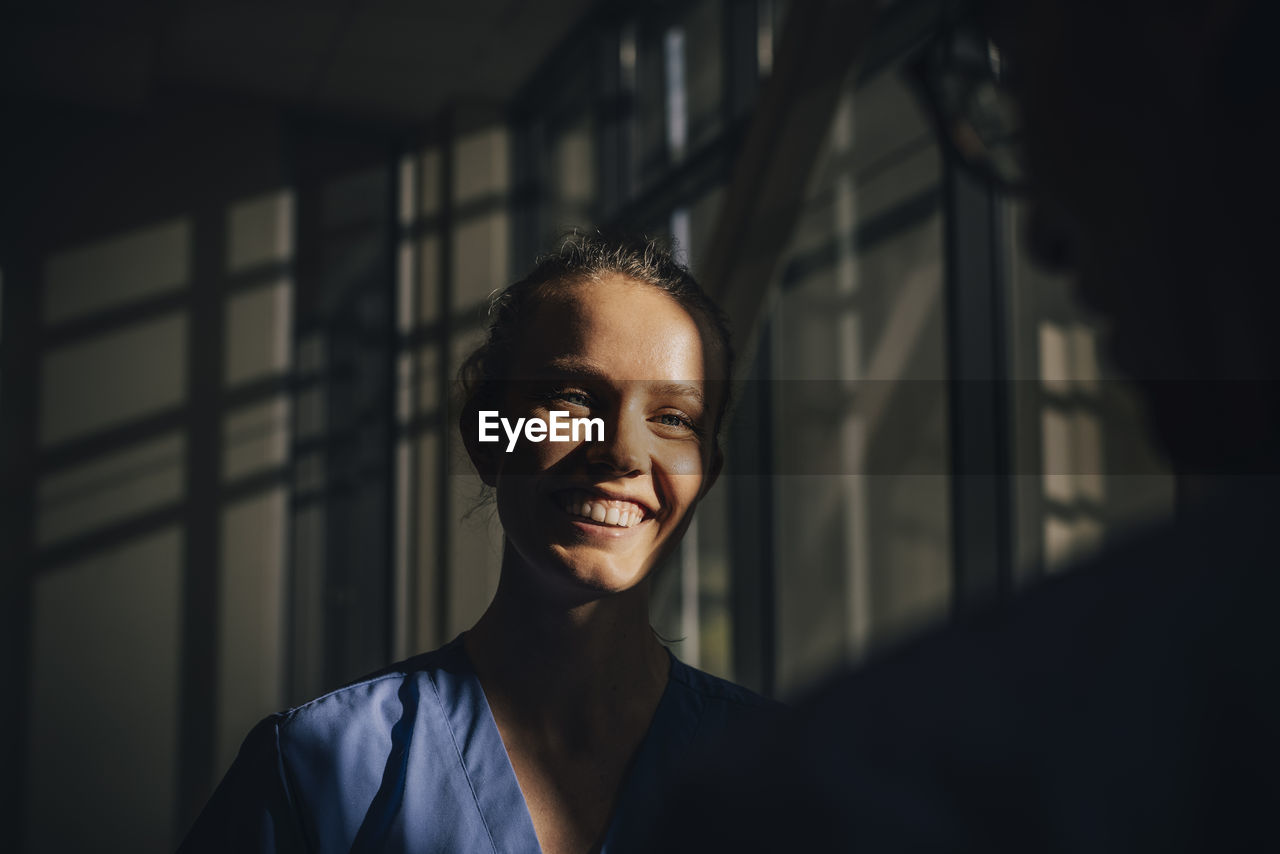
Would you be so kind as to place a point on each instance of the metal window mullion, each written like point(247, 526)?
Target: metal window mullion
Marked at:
point(753, 587)
point(200, 623)
point(979, 399)
point(18, 462)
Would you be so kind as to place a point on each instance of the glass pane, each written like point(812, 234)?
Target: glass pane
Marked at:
point(704, 71)
point(862, 501)
point(1086, 467)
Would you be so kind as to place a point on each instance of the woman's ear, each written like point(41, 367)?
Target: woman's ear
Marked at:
point(482, 454)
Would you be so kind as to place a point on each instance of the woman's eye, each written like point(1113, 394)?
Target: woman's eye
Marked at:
point(676, 420)
point(574, 398)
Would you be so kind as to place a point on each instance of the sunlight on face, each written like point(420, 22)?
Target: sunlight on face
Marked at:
point(595, 517)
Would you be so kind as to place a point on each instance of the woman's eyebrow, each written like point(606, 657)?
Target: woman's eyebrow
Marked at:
point(680, 390)
point(575, 367)
point(571, 367)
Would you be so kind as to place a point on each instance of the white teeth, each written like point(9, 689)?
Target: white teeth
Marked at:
point(606, 512)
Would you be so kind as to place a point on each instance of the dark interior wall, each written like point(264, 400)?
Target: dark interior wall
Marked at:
point(113, 703)
point(150, 284)
point(344, 181)
point(199, 351)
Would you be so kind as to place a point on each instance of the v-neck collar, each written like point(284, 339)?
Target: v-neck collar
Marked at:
point(492, 778)
point(482, 754)
point(674, 725)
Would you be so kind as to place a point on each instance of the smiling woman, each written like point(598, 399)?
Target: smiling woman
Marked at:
point(558, 720)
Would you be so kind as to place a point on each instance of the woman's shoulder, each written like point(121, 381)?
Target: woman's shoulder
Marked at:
point(715, 703)
point(714, 688)
point(316, 771)
point(376, 700)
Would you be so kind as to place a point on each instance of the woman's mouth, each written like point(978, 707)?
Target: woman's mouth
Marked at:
point(612, 513)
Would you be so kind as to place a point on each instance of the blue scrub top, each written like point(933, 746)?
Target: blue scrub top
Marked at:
point(410, 760)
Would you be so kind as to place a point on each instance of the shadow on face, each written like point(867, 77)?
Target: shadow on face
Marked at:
point(594, 516)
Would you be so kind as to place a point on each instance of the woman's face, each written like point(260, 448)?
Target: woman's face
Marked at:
point(595, 517)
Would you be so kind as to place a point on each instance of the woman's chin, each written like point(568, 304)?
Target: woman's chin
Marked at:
point(593, 576)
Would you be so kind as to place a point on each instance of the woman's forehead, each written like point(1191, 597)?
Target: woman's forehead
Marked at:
point(614, 317)
point(613, 328)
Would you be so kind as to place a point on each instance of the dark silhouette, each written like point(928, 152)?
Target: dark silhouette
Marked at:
point(1130, 705)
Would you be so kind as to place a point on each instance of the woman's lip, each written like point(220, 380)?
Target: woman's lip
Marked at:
point(585, 502)
point(588, 493)
point(598, 529)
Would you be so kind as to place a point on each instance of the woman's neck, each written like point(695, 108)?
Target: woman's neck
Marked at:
point(568, 672)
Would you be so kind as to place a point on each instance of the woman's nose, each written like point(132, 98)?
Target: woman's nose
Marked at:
point(622, 451)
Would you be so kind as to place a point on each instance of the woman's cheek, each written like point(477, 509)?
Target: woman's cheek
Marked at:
point(688, 460)
point(683, 472)
point(550, 453)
